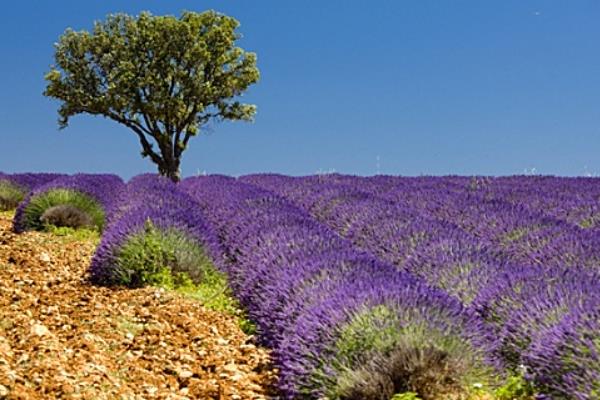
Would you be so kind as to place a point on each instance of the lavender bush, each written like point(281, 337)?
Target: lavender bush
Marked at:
point(155, 225)
point(91, 194)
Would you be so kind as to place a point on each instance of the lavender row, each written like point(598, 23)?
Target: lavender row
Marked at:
point(573, 200)
point(341, 322)
point(152, 205)
point(29, 181)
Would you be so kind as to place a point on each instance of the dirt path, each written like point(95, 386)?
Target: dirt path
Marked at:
point(63, 338)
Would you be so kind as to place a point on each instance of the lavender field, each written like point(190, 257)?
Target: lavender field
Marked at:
point(378, 287)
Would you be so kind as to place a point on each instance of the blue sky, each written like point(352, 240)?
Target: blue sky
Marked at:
point(395, 87)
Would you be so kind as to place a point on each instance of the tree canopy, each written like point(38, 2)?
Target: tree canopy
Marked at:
point(163, 77)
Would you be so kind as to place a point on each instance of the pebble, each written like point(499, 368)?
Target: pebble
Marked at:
point(151, 390)
point(230, 368)
point(185, 374)
point(39, 330)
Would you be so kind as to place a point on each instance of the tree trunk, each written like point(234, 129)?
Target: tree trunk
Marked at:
point(170, 169)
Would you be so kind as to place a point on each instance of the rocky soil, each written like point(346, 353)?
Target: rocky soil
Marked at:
point(61, 337)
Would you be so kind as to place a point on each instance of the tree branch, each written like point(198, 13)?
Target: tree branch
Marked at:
point(180, 128)
point(146, 145)
point(168, 125)
point(151, 122)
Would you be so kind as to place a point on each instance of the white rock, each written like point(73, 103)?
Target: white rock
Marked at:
point(185, 374)
point(39, 330)
point(151, 389)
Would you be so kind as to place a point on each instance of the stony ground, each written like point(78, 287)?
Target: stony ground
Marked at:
point(61, 337)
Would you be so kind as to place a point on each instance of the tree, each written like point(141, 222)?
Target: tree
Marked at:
point(163, 77)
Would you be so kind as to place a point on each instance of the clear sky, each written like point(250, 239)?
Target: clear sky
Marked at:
point(395, 87)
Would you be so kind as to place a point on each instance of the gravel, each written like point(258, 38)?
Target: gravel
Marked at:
point(61, 337)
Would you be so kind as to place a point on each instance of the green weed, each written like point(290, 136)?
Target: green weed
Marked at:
point(72, 234)
point(515, 388)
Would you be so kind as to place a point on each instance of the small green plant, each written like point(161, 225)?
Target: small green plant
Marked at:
point(246, 325)
point(405, 396)
point(10, 195)
point(72, 234)
point(55, 197)
point(515, 388)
